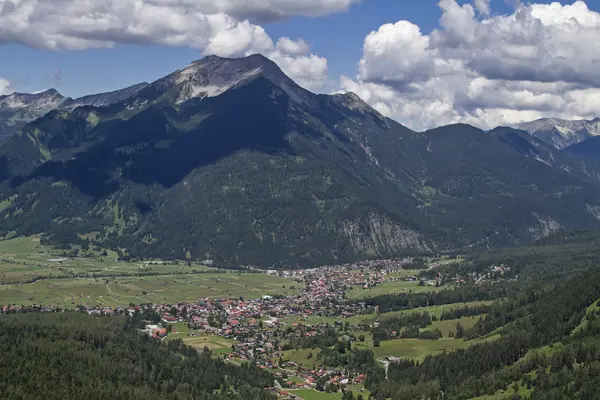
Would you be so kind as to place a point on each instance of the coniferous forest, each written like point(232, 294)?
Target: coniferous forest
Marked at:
point(546, 340)
point(76, 356)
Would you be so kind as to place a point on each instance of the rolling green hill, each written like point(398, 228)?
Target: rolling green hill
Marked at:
point(230, 160)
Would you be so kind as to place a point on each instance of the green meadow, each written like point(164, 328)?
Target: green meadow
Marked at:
point(104, 281)
point(391, 287)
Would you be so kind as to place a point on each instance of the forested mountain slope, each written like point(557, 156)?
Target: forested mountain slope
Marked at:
point(588, 148)
point(230, 160)
point(538, 339)
point(76, 356)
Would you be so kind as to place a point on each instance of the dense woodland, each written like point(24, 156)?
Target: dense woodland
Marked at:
point(76, 356)
point(539, 344)
point(550, 258)
point(406, 326)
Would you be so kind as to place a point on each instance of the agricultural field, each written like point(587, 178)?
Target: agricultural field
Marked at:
point(310, 394)
point(104, 281)
point(217, 344)
point(23, 259)
point(122, 291)
point(301, 357)
point(416, 349)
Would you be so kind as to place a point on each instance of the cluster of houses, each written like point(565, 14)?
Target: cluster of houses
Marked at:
point(308, 378)
point(490, 274)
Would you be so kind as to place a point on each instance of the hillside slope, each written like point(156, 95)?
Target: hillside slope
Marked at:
point(589, 148)
point(110, 358)
point(230, 160)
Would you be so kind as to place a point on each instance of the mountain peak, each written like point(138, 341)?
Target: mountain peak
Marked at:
point(213, 75)
point(45, 100)
point(50, 92)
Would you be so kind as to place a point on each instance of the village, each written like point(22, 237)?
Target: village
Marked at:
point(260, 330)
point(264, 330)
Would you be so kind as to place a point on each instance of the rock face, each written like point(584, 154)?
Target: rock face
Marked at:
point(18, 109)
point(230, 160)
point(561, 133)
point(104, 99)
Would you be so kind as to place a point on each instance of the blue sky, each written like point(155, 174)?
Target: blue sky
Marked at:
point(338, 37)
point(53, 47)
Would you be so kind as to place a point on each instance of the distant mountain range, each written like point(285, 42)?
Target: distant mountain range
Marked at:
point(18, 109)
point(230, 160)
point(562, 133)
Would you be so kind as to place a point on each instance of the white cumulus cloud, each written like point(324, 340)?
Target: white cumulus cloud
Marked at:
point(223, 28)
point(263, 10)
point(483, 6)
point(540, 60)
point(5, 87)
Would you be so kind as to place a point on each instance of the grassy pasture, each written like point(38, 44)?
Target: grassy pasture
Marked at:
point(24, 258)
point(370, 318)
point(147, 289)
point(593, 307)
point(392, 287)
point(104, 281)
point(448, 326)
point(300, 356)
point(310, 394)
point(416, 349)
point(215, 343)
point(404, 273)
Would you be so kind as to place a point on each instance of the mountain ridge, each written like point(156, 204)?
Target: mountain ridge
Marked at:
point(19, 109)
point(253, 169)
point(562, 133)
